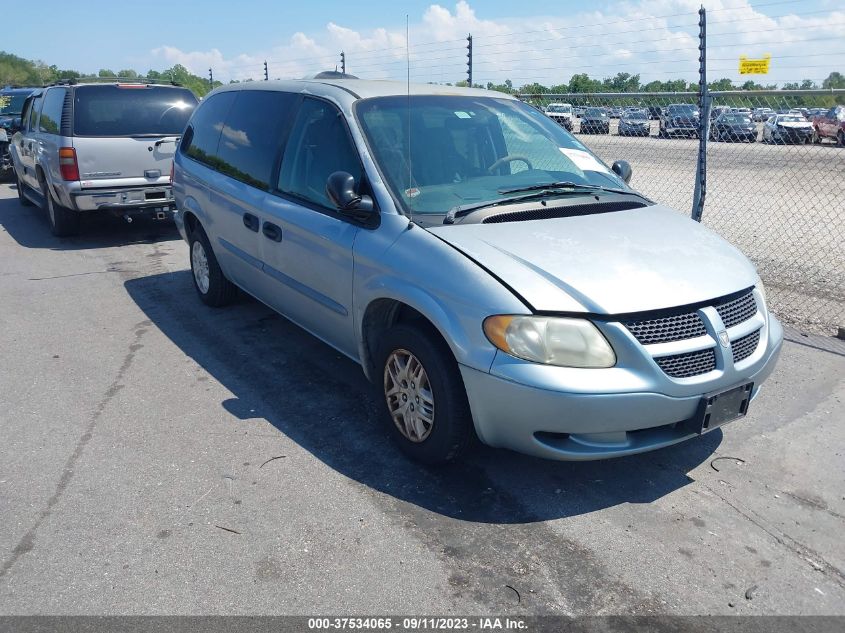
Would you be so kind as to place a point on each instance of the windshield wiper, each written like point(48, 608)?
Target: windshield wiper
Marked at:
point(542, 190)
point(566, 184)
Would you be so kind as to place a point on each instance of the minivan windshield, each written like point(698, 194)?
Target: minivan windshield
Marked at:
point(682, 110)
point(595, 113)
point(131, 110)
point(439, 152)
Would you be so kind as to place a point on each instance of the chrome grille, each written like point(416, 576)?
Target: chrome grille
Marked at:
point(689, 364)
point(737, 310)
point(744, 347)
point(667, 329)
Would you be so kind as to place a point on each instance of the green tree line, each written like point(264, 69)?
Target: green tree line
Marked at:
point(17, 71)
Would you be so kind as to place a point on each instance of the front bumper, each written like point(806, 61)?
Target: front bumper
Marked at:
point(629, 416)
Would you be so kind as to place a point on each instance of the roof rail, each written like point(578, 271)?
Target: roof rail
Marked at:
point(121, 80)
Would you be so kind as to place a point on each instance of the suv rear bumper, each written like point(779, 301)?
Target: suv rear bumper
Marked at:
point(130, 200)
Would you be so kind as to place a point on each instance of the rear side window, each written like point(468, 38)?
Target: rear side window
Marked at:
point(251, 138)
point(51, 113)
point(33, 113)
point(318, 145)
point(132, 110)
point(203, 133)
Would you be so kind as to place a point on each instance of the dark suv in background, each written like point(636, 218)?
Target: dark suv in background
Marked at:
point(11, 106)
point(105, 147)
point(679, 119)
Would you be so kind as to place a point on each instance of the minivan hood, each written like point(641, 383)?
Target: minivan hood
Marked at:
point(608, 263)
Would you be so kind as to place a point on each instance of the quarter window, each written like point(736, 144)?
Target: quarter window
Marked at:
point(51, 113)
point(319, 145)
point(203, 133)
point(251, 138)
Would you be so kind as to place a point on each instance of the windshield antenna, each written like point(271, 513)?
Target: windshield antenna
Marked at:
point(409, 191)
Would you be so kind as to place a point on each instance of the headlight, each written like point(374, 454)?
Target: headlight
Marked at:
point(557, 341)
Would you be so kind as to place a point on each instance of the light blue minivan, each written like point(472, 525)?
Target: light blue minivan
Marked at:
point(488, 272)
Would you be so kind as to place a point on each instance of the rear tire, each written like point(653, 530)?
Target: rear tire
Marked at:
point(840, 139)
point(211, 285)
point(64, 222)
point(424, 399)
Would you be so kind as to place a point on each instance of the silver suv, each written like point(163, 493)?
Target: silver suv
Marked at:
point(490, 274)
point(104, 147)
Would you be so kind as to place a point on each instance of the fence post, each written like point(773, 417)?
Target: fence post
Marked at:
point(343, 62)
point(210, 79)
point(266, 74)
point(469, 60)
point(704, 120)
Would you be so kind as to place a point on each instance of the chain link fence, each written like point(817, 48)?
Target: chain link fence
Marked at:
point(775, 178)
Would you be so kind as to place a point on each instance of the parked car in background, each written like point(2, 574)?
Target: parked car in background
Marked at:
point(717, 111)
point(762, 114)
point(614, 112)
point(105, 147)
point(654, 112)
point(787, 128)
point(679, 119)
point(595, 121)
point(11, 106)
point(830, 125)
point(634, 122)
point(492, 276)
point(560, 113)
point(733, 126)
point(578, 111)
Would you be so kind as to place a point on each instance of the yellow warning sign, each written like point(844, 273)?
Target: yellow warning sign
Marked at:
point(754, 66)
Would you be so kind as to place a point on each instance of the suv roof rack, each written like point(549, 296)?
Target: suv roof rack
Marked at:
point(120, 80)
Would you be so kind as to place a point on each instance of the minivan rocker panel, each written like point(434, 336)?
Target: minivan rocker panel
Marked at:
point(599, 334)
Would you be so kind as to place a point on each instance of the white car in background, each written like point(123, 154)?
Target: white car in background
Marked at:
point(560, 113)
point(787, 128)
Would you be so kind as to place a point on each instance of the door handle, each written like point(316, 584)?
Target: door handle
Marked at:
point(272, 231)
point(251, 222)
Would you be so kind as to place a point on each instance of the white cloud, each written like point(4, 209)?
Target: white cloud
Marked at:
point(656, 39)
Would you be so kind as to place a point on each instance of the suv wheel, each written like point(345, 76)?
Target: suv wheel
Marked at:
point(211, 285)
point(426, 407)
point(63, 221)
point(840, 139)
point(25, 202)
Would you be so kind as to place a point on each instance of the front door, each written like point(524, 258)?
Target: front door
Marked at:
point(308, 252)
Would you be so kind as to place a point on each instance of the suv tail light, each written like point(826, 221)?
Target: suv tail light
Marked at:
point(67, 163)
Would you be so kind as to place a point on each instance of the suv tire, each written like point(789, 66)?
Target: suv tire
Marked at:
point(428, 386)
point(63, 221)
point(211, 285)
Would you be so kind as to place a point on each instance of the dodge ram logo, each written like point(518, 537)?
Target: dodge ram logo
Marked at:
point(723, 338)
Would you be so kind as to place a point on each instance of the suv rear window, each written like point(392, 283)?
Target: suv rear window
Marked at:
point(133, 110)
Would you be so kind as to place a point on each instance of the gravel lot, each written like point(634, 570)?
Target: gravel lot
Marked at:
point(782, 205)
point(135, 475)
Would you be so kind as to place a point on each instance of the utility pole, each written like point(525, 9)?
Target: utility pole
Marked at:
point(266, 77)
point(469, 60)
point(210, 79)
point(343, 62)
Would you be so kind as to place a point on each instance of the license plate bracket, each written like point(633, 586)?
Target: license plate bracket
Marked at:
point(720, 407)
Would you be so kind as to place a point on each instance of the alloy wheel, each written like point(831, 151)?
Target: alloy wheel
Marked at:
point(410, 399)
point(199, 265)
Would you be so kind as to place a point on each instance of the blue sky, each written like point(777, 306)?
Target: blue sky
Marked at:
point(546, 41)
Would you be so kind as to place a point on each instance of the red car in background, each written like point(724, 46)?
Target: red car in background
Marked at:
point(831, 125)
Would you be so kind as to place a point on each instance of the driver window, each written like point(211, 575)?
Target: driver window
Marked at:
point(318, 145)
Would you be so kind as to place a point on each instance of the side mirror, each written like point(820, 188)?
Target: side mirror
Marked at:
point(340, 188)
point(622, 169)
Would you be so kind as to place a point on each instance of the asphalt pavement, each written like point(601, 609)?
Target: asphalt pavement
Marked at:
point(162, 457)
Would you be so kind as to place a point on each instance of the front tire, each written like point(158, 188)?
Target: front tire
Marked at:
point(25, 202)
point(425, 402)
point(211, 285)
point(840, 139)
